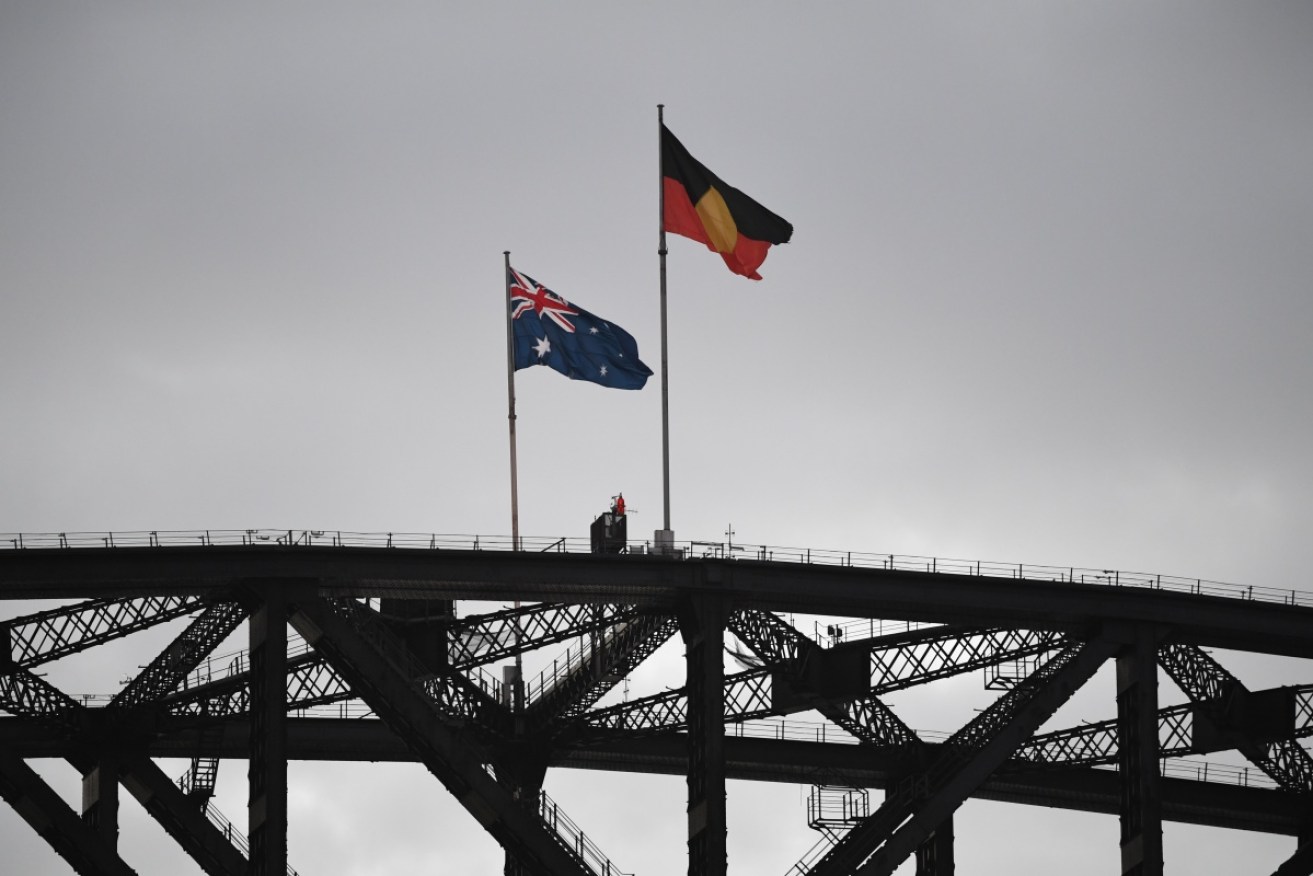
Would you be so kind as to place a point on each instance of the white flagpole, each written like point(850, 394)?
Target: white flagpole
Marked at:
point(667, 534)
point(510, 395)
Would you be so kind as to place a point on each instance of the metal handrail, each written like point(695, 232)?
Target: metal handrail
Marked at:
point(574, 839)
point(1169, 767)
point(232, 834)
point(562, 667)
point(689, 549)
point(224, 826)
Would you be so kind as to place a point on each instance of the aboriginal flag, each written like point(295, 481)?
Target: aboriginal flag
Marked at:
point(700, 206)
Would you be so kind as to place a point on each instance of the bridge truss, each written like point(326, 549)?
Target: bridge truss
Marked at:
point(409, 635)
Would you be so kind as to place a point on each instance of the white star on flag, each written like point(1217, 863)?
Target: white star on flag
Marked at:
point(545, 329)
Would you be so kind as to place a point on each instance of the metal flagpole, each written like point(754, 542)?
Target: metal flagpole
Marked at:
point(510, 395)
point(517, 684)
point(665, 538)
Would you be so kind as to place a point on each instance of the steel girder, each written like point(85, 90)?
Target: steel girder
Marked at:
point(632, 637)
point(866, 718)
point(100, 798)
point(747, 696)
point(1285, 761)
point(84, 848)
point(1140, 805)
point(56, 633)
point(49, 635)
point(923, 656)
point(310, 682)
point(174, 664)
point(181, 818)
point(924, 799)
point(455, 695)
point(1078, 745)
point(28, 695)
point(313, 681)
point(935, 856)
point(381, 669)
point(600, 666)
point(702, 628)
point(161, 798)
point(1095, 744)
point(1202, 800)
point(1237, 623)
point(267, 769)
point(1209, 686)
point(163, 674)
point(116, 731)
point(1298, 864)
point(487, 638)
point(898, 662)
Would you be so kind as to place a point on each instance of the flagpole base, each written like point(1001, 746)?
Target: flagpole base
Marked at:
point(663, 543)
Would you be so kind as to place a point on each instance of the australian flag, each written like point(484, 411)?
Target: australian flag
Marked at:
point(548, 330)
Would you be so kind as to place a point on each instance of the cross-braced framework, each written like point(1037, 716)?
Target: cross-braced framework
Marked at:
point(405, 631)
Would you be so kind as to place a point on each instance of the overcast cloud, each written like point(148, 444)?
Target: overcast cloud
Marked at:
point(1048, 300)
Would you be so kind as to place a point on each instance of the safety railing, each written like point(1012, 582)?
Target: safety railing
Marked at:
point(563, 667)
point(786, 729)
point(794, 730)
point(574, 839)
point(491, 686)
point(565, 831)
point(1217, 773)
point(232, 834)
point(833, 809)
point(343, 710)
point(685, 550)
point(560, 669)
point(820, 731)
point(224, 826)
point(234, 663)
point(838, 632)
point(813, 855)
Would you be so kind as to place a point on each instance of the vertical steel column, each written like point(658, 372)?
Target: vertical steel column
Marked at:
point(1137, 756)
point(267, 773)
point(934, 857)
point(100, 800)
point(1300, 863)
point(525, 775)
point(702, 625)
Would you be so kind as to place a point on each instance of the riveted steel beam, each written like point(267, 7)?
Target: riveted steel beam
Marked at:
point(82, 846)
point(375, 663)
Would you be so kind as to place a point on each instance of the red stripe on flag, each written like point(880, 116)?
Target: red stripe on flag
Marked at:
point(680, 216)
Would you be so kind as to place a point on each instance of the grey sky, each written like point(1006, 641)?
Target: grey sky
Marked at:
point(1047, 301)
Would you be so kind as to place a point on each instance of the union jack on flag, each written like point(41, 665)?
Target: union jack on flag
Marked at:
point(548, 330)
